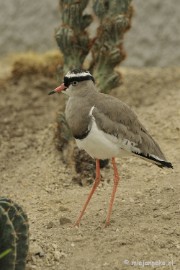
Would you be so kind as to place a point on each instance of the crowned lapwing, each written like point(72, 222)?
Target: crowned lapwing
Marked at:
point(105, 128)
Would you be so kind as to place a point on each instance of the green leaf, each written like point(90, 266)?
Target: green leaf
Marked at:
point(6, 252)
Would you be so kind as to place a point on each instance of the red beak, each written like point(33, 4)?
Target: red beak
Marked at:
point(58, 89)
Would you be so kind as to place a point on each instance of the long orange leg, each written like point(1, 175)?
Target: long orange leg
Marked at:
point(95, 185)
point(116, 180)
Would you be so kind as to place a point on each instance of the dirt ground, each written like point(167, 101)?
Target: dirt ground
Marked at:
point(145, 226)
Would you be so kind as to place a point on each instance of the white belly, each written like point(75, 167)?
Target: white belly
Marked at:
point(99, 145)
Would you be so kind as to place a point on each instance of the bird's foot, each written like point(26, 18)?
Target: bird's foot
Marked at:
point(107, 223)
point(76, 224)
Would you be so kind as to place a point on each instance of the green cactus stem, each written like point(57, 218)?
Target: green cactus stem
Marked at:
point(14, 235)
point(7, 241)
point(106, 48)
point(72, 37)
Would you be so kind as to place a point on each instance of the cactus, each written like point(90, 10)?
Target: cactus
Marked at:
point(14, 235)
point(71, 37)
point(106, 48)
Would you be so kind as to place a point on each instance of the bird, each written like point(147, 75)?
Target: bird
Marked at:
point(106, 128)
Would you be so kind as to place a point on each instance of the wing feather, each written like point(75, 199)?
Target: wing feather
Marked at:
point(116, 118)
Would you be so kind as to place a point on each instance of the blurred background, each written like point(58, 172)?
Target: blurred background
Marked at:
point(153, 40)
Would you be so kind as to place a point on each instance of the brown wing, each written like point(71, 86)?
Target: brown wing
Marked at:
point(116, 118)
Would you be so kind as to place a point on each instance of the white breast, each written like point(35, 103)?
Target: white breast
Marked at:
point(101, 145)
point(98, 144)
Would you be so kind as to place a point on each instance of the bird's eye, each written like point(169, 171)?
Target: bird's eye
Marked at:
point(74, 83)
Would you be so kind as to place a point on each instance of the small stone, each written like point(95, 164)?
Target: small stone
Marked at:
point(50, 225)
point(139, 194)
point(58, 255)
point(105, 264)
point(19, 133)
point(158, 201)
point(32, 267)
point(63, 254)
point(63, 209)
point(162, 245)
point(64, 220)
point(36, 250)
point(156, 215)
point(33, 258)
point(48, 190)
point(166, 216)
point(66, 184)
point(7, 120)
point(54, 246)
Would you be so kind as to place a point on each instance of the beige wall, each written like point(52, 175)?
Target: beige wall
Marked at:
point(27, 25)
point(153, 40)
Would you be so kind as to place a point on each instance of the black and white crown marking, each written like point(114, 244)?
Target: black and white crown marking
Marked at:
point(77, 75)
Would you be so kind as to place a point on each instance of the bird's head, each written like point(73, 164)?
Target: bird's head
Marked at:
point(76, 79)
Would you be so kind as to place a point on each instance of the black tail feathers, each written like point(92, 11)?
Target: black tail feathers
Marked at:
point(165, 164)
point(157, 161)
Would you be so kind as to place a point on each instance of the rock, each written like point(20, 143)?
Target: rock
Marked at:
point(31, 267)
point(36, 250)
point(19, 133)
point(58, 255)
point(50, 225)
point(63, 208)
point(55, 246)
point(64, 220)
point(166, 216)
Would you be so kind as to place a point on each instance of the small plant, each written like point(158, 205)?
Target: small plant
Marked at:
point(14, 236)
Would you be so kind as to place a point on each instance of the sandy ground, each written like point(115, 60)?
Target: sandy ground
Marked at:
point(145, 226)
